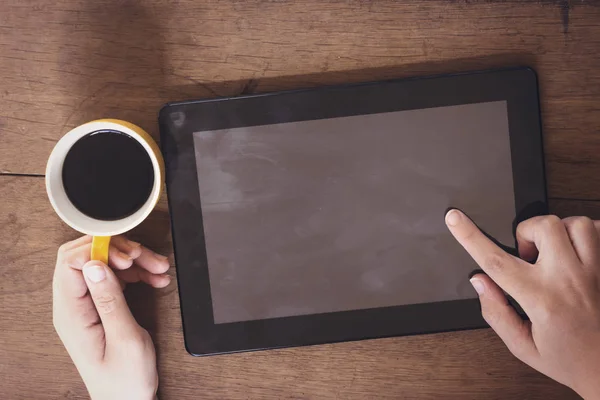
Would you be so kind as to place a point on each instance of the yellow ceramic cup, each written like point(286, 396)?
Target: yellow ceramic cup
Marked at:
point(99, 229)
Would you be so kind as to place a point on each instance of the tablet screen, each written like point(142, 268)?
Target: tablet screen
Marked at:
point(347, 213)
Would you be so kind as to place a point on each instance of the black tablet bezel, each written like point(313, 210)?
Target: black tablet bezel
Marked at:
point(178, 122)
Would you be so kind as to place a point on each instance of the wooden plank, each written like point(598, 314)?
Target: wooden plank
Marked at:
point(565, 208)
point(65, 62)
point(460, 365)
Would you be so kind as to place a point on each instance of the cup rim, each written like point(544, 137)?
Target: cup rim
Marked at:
point(65, 208)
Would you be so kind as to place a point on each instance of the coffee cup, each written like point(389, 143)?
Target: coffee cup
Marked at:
point(103, 178)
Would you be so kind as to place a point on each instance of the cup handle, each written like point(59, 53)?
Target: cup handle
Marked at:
point(100, 245)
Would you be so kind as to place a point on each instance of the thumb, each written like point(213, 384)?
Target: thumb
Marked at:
point(504, 320)
point(109, 300)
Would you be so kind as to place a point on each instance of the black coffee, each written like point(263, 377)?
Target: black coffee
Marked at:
point(108, 175)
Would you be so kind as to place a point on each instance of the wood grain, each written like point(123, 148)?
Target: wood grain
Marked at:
point(460, 365)
point(64, 62)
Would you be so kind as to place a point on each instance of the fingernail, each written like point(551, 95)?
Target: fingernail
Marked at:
point(477, 285)
point(453, 217)
point(126, 256)
point(134, 244)
point(94, 273)
point(161, 257)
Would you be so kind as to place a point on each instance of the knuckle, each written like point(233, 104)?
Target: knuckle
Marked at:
point(139, 335)
point(520, 226)
point(73, 258)
point(494, 261)
point(469, 234)
point(106, 303)
point(524, 224)
point(550, 222)
point(138, 342)
point(62, 249)
point(581, 223)
point(490, 316)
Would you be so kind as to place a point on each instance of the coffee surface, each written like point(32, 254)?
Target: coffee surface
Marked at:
point(108, 175)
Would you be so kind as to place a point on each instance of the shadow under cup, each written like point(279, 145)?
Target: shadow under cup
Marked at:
point(104, 177)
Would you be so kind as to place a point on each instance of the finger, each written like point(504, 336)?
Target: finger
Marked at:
point(137, 274)
point(155, 280)
point(505, 269)
point(504, 320)
point(526, 247)
point(133, 249)
point(77, 242)
point(129, 275)
point(74, 313)
point(67, 273)
point(584, 238)
point(118, 259)
point(152, 262)
point(109, 300)
point(74, 316)
point(73, 310)
point(549, 236)
point(78, 256)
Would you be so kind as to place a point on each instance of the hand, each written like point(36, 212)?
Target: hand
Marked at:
point(113, 354)
point(560, 292)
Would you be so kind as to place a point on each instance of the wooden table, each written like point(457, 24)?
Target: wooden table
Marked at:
point(66, 62)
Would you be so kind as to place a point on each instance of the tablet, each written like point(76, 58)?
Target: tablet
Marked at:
point(317, 216)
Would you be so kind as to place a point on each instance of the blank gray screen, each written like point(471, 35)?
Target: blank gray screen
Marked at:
point(348, 213)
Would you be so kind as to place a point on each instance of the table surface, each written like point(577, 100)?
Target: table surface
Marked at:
point(63, 63)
